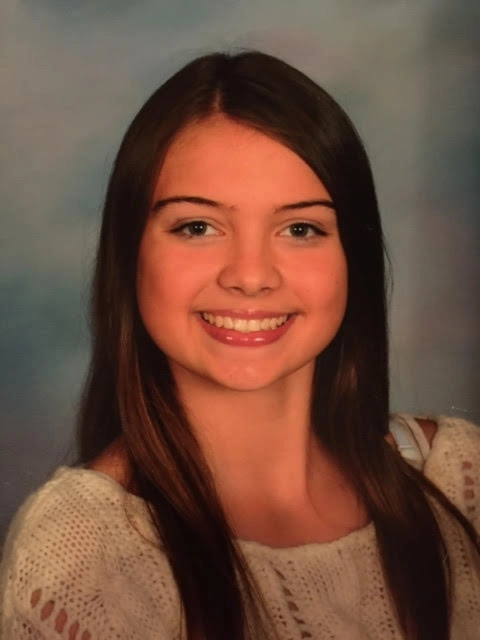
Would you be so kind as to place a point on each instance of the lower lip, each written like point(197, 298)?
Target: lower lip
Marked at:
point(251, 339)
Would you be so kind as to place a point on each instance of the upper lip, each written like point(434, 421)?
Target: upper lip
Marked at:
point(257, 314)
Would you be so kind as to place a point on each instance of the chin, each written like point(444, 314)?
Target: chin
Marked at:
point(253, 378)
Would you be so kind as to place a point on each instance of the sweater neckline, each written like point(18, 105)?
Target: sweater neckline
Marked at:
point(354, 538)
point(252, 547)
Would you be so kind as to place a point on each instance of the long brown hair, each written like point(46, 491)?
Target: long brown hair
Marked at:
point(130, 389)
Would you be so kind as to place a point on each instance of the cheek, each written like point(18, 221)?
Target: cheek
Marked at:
point(154, 292)
point(339, 286)
point(167, 283)
point(326, 285)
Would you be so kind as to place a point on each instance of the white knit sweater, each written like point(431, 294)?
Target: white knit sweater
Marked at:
point(79, 563)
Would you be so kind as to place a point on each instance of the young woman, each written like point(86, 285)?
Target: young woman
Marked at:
point(240, 476)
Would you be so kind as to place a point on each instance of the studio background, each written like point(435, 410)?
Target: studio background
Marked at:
point(73, 74)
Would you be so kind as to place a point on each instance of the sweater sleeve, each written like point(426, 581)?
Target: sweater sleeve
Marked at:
point(53, 571)
point(61, 574)
point(454, 464)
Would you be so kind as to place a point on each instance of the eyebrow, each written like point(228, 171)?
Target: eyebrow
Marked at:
point(206, 202)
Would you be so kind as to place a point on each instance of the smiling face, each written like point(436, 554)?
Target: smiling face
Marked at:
point(242, 278)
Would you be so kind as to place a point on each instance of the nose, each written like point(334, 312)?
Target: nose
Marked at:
point(250, 269)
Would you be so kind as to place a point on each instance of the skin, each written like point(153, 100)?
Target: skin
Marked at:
point(249, 406)
point(248, 260)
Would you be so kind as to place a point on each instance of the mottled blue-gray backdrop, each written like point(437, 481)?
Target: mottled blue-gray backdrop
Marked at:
point(74, 73)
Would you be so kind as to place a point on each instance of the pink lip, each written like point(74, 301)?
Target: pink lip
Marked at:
point(252, 339)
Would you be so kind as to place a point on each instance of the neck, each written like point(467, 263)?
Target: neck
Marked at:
point(274, 479)
point(258, 444)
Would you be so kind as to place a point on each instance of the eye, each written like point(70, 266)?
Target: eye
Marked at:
point(195, 229)
point(303, 230)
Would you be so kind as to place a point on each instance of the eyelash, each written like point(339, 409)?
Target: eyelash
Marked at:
point(317, 231)
point(182, 230)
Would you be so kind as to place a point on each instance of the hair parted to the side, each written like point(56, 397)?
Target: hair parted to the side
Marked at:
point(130, 390)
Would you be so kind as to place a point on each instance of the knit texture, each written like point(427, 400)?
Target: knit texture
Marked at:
point(81, 563)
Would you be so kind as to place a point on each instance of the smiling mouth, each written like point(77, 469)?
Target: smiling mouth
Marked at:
point(243, 325)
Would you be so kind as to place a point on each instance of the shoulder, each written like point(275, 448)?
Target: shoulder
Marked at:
point(429, 428)
point(412, 437)
point(68, 504)
point(454, 464)
point(59, 554)
point(114, 462)
point(452, 460)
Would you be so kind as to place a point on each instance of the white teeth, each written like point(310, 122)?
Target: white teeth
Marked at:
point(243, 325)
point(228, 323)
point(253, 325)
point(240, 325)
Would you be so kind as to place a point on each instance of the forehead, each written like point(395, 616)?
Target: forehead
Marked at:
point(226, 160)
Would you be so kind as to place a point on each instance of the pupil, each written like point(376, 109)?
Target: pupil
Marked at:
point(299, 229)
point(198, 228)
